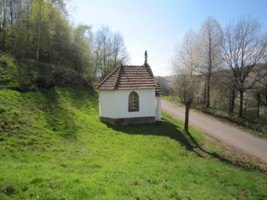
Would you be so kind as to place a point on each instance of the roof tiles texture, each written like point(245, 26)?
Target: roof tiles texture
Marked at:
point(130, 77)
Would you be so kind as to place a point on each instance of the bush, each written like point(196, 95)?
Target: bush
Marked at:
point(2, 109)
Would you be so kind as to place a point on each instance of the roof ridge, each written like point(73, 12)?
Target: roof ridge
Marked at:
point(149, 69)
point(133, 66)
point(107, 77)
point(147, 66)
point(118, 78)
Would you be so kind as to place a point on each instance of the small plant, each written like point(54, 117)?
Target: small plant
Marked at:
point(8, 190)
point(2, 109)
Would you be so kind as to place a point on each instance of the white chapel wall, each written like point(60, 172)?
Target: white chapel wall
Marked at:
point(106, 103)
point(114, 103)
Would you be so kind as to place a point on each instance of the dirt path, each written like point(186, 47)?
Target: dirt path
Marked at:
point(220, 130)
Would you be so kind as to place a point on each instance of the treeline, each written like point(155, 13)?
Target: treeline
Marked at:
point(40, 30)
point(222, 67)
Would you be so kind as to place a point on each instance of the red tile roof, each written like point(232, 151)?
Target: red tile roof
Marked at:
point(130, 77)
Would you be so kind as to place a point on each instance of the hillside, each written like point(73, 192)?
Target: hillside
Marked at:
point(53, 146)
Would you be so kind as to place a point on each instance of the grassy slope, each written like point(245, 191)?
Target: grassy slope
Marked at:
point(52, 146)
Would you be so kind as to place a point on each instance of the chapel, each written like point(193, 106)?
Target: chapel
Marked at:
point(130, 95)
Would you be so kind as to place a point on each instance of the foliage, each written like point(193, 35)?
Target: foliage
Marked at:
point(40, 30)
point(23, 75)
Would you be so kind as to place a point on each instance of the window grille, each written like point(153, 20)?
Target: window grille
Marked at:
point(133, 102)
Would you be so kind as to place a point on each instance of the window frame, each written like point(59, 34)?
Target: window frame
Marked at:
point(133, 102)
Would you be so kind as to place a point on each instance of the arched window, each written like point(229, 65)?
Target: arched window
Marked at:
point(133, 102)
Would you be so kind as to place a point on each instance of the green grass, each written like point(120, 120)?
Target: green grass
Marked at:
point(53, 146)
point(8, 72)
point(173, 99)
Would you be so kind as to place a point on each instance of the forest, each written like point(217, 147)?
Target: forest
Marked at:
point(40, 34)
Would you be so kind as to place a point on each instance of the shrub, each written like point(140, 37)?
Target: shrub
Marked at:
point(2, 109)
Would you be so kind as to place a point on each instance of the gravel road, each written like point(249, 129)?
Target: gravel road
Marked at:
point(222, 131)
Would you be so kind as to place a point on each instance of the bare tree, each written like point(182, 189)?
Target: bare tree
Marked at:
point(185, 64)
point(60, 5)
point(119, 52)
point(109, 49)
point(244, 47)
point(211, 36)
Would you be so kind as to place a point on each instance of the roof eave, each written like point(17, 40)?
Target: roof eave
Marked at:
point(128, 88)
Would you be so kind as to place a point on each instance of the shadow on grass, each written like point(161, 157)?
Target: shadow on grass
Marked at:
point(235, 161)
point(212, 154)
point(163, 128)
point(168, 129)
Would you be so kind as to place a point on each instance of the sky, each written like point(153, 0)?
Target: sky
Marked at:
point(158, 26)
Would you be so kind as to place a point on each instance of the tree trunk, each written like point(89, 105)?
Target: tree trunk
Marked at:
point(11, 13)
point(27, 24)
point(186, 121)
point(209, 75)
point(240, 114)
point(3, 41)
point(258, 104)
point(204, 94)
point(39, 31)
point(231, 101)
point(16, 31)
point(207, 103)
